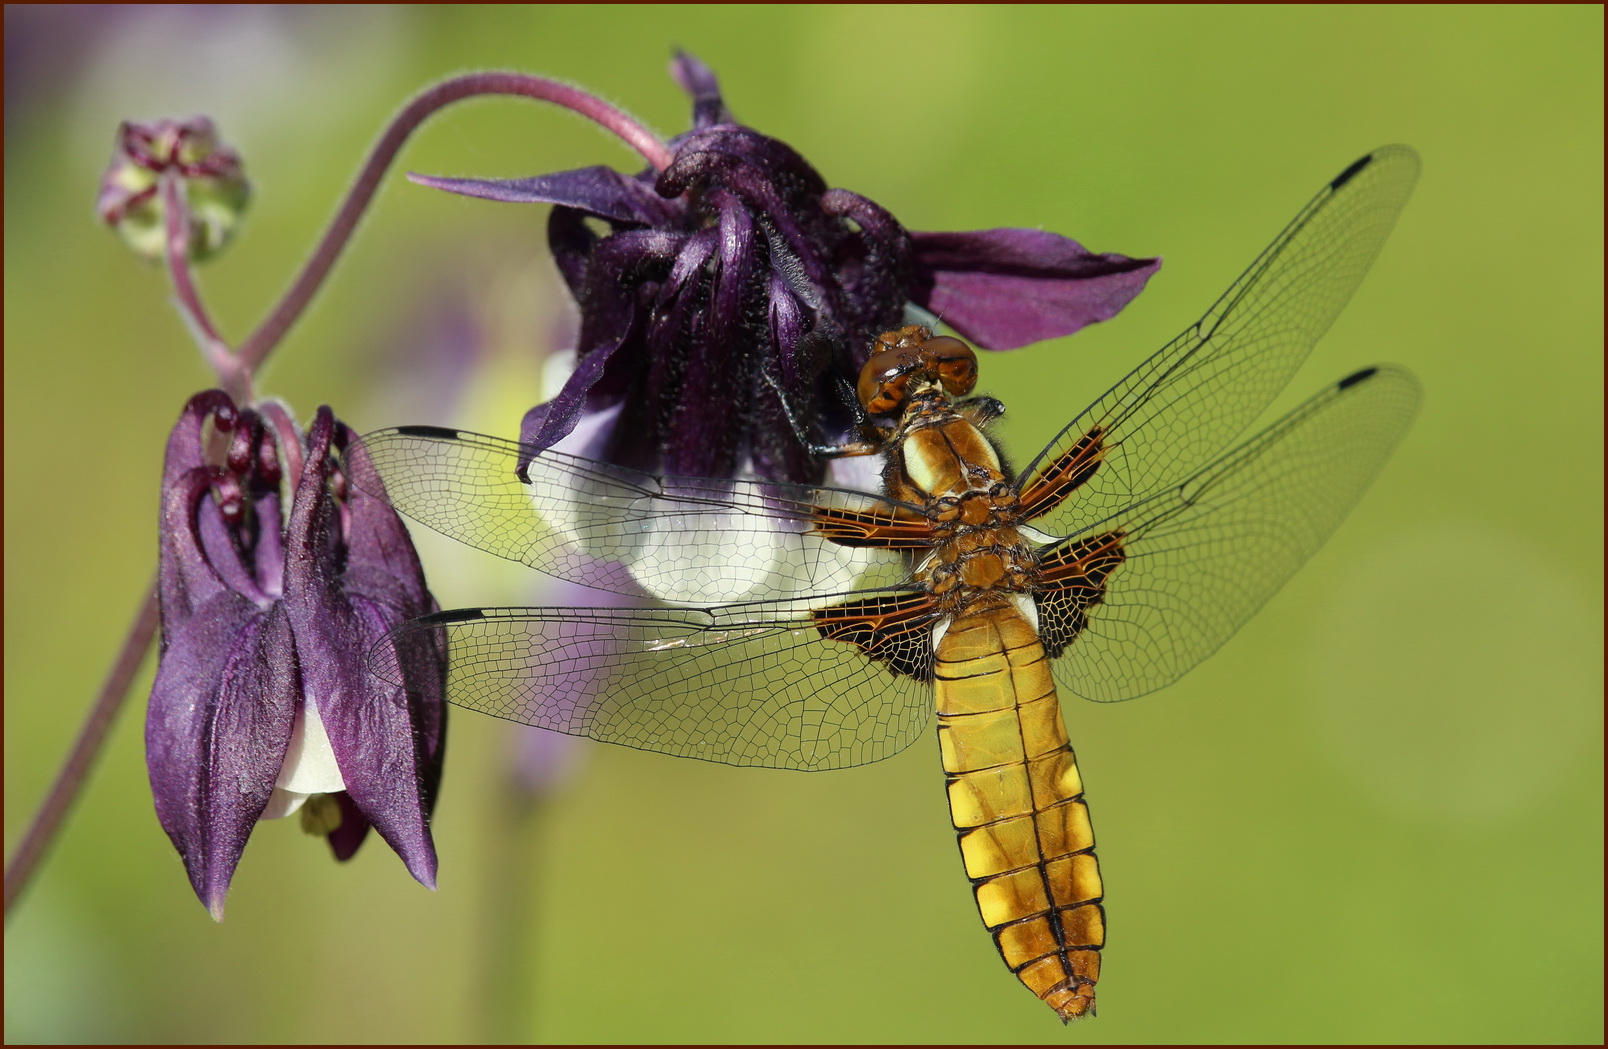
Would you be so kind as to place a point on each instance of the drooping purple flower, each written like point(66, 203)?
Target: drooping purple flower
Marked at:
point(262, 704)
point(728, 301)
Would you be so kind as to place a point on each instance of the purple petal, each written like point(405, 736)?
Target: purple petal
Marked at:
point(698, 80)
point(184, 447)
point(873, 265)
point(546, 424)
point(371, 724)
point(1004, 288)
point(246, 556)
point(703, 439)
point(609, 315)
point(216, 731)
point(198, 559)
point(596, 190)
point(345, 839)
point(572, 242)
point(380, 559)
point(649, 372)
point(270, 552)
point(787, 326)
point(768, 174)
point(385, 583)
point(797, 360)
point(372, 729)
point(186, 576)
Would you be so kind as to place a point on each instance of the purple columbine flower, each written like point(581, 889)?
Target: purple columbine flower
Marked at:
point(735, 278)
point(262, 704)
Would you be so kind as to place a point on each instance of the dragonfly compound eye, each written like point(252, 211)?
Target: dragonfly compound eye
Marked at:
point(884, 379)
point(954, 362)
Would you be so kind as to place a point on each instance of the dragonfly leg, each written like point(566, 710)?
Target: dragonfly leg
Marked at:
point(870, 445)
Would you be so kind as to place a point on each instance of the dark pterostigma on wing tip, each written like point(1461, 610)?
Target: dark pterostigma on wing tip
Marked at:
point(1351, 172)
point(1356, 377)
point(455, 615)
point(435, 432)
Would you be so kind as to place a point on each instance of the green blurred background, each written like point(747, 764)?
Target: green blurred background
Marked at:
point(1375, 816)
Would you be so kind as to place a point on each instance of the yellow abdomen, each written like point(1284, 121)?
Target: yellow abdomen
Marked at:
point(1016, 800)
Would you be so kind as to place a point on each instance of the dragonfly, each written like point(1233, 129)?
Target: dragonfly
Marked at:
point(820, 627)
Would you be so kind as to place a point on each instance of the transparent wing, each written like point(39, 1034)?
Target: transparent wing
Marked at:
point(1184, 405)
point(678, 540)
point(1199, 559)
point(747, 684)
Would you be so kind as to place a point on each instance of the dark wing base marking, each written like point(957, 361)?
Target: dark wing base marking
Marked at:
point(893, 629)
point(1074, 577)
point(858, 528)
point(1061, 476)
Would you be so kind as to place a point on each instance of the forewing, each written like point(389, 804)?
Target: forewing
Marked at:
point(1158, 588)
point(747, 684)
point(1184, 405)
point(678, 540)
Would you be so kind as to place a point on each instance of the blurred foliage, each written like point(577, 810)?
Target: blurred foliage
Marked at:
point(1376, 816)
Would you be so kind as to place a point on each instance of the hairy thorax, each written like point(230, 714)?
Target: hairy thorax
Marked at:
point(948, 466)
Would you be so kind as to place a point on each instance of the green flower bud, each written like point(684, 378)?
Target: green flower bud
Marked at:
point(213, 184)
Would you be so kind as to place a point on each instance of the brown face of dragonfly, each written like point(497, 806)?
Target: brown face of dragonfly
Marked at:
point(914, 356)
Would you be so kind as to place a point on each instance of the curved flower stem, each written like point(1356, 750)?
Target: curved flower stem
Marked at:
point(71, 777)
point(235, 379)
point(258, 345)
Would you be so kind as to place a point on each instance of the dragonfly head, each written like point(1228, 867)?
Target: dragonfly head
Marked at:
point(909, 359)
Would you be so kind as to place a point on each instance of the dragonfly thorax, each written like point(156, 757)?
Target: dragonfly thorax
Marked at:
point(946, 464)
point(938, 452)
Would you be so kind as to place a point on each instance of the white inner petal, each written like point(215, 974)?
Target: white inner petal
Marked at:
point(752, 551)
point(556, 370)
point(693, 550)
point(310, 766)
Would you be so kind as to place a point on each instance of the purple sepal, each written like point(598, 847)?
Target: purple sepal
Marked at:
point(216, 730)
point(1005, 288)
point(222, 706)
point(340, 611)
point(345, 839)
point(597, 190)
point(547, 424)
point(699, 82)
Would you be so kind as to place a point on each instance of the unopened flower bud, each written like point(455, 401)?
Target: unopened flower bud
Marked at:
point(213, 184)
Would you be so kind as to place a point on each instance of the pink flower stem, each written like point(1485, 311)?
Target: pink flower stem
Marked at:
point(25, 860)
point(234, 379)
point(258, 345)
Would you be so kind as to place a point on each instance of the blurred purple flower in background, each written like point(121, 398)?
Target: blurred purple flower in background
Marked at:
point(262, 704)
point(735, 277)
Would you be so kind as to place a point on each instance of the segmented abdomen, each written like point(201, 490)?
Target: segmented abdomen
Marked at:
point(1016, 801)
